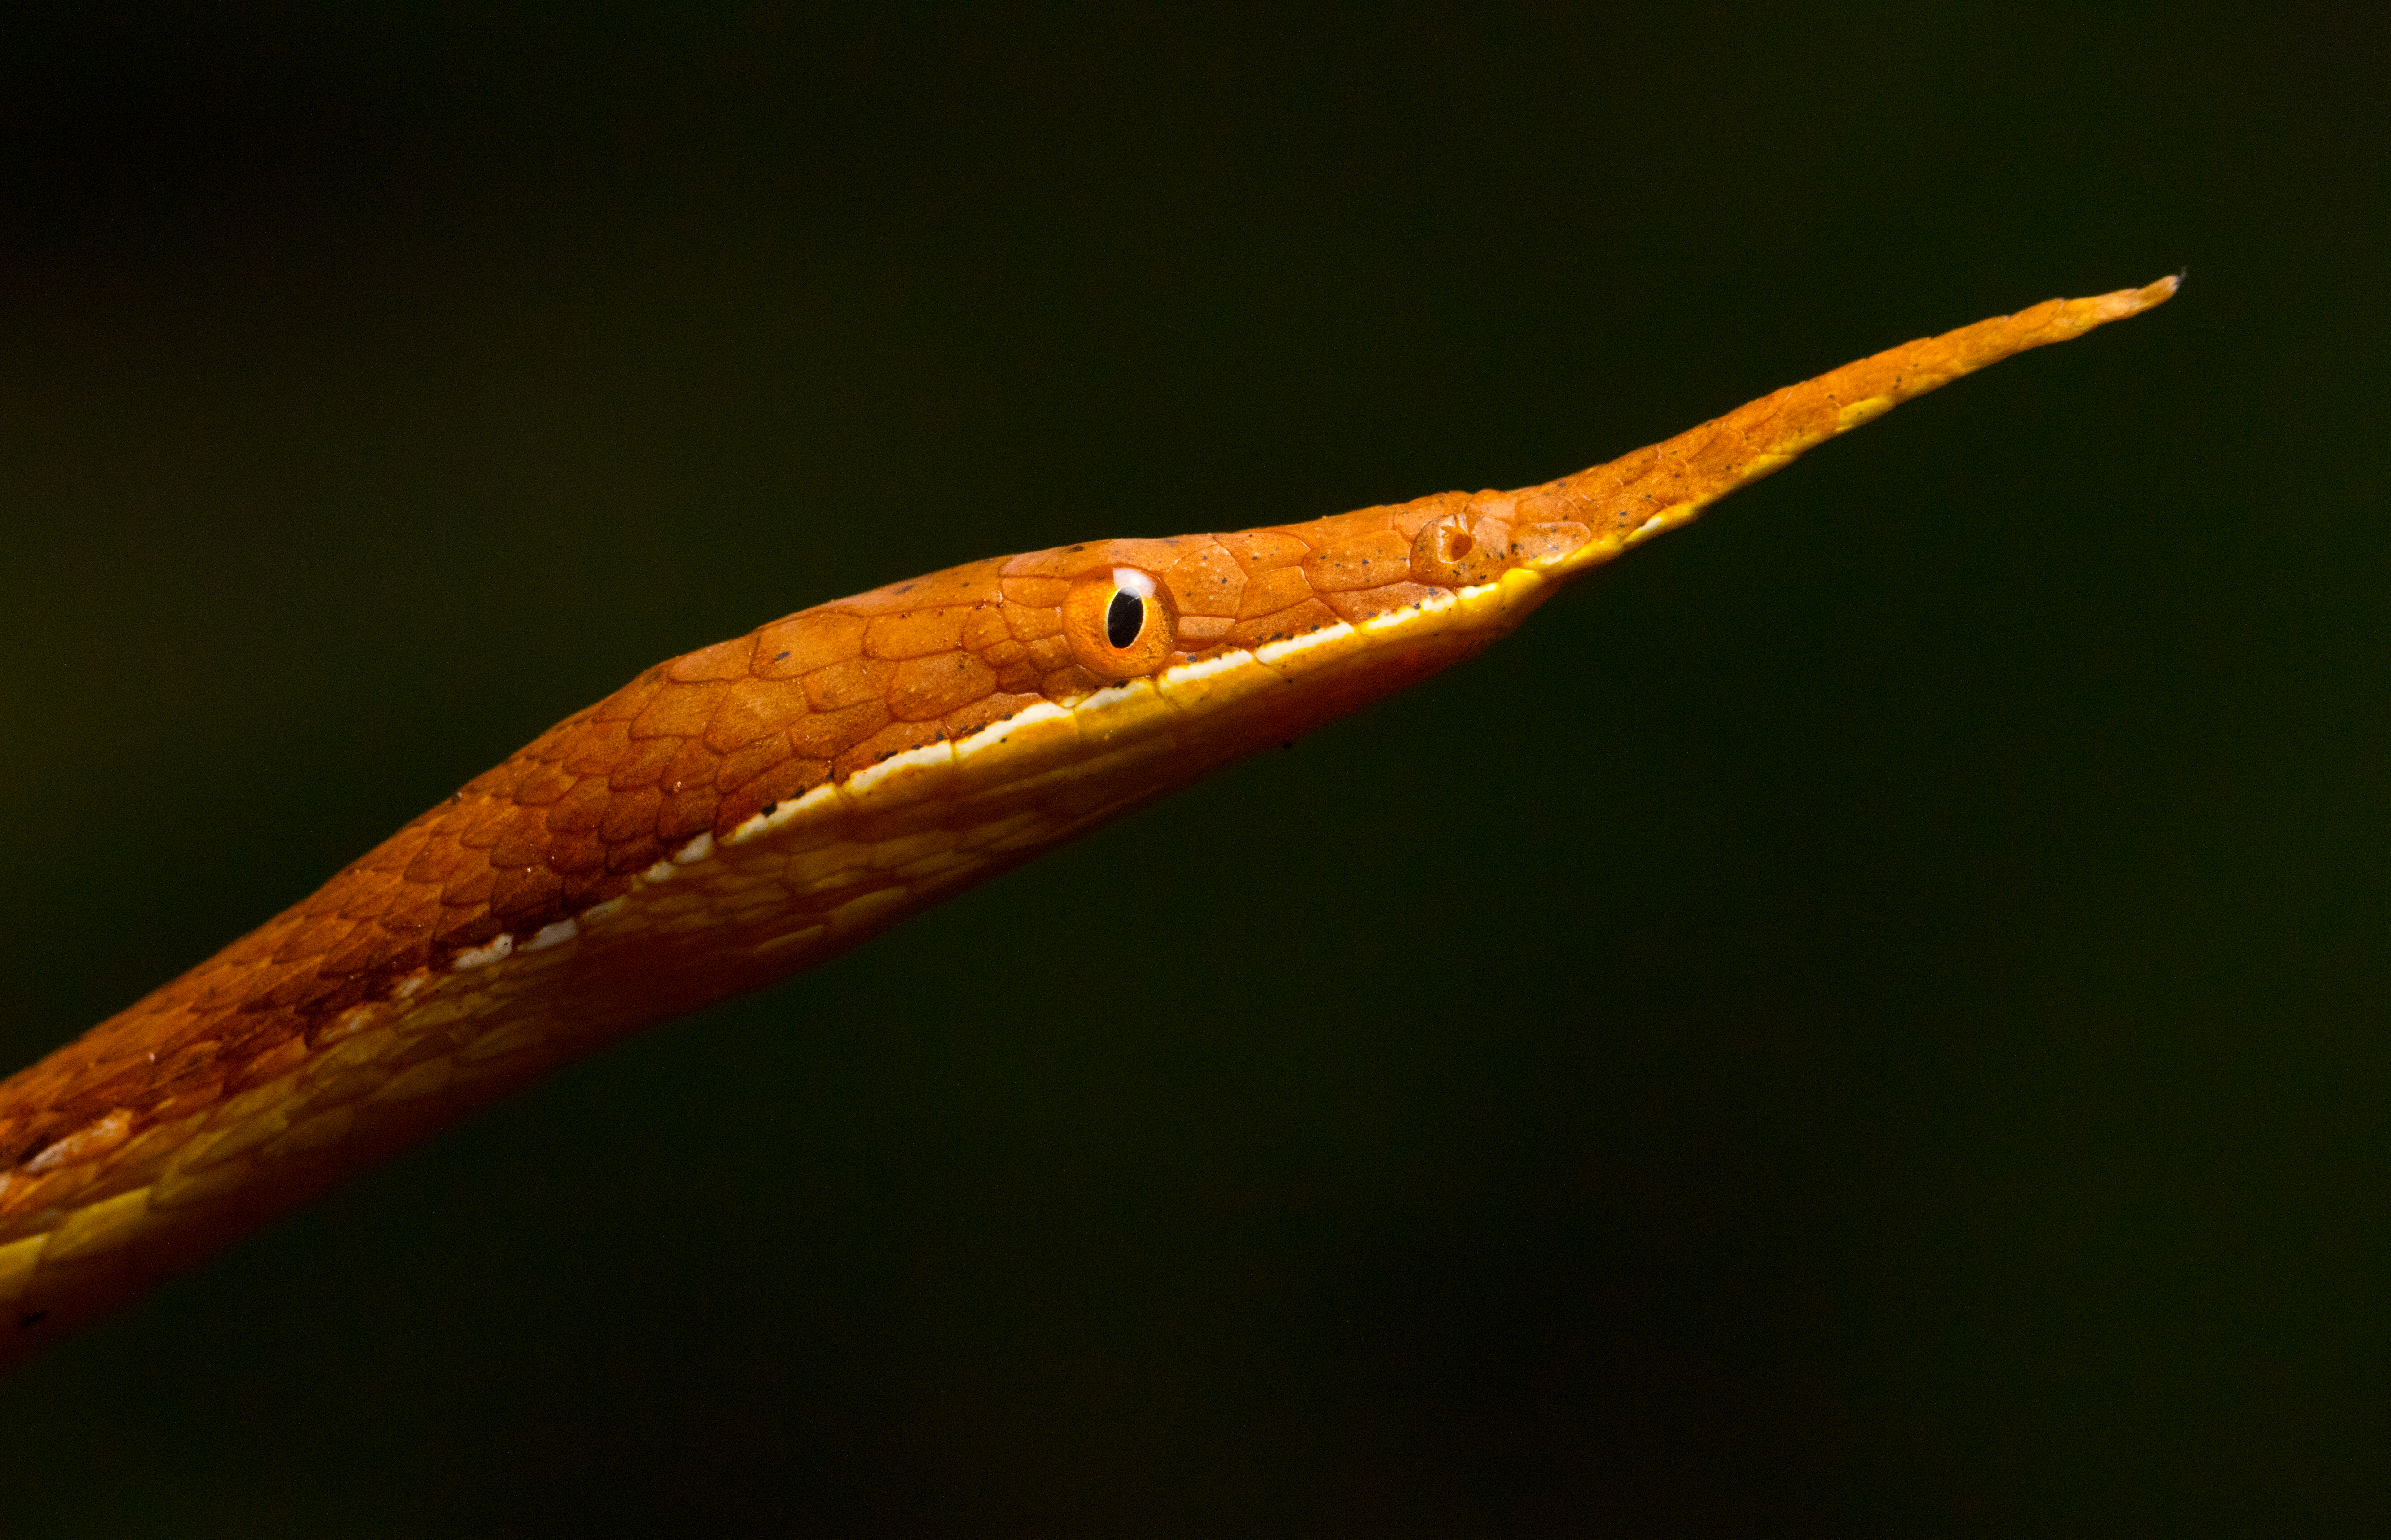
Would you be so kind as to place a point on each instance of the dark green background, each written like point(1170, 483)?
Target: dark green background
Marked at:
point(1866, 1019)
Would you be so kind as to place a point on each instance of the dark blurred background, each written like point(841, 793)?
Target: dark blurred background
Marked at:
point(1865, 1018)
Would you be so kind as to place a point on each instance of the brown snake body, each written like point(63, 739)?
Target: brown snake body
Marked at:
point(747, 810)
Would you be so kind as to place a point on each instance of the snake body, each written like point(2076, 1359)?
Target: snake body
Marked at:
point(747, 810)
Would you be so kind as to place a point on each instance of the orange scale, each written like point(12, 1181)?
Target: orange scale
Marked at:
point(267, 1054)
point(1294, 621)
point(584, 888)
point(1260, 551)
point(723, 661)
point(694, 766)
point(1272, 591)
point(932, 687)
point(1198, 631)
point(314, 940)
point(392, 855)
point(784, 782)
point(680, 712)
point(1017, 675)
point(1370, 603)
point(1033, 593)
point(331, 992)
point(500, 781)
point(415, 916)
point(917, 633)
point(581, 808)
point(1206, 580)
point(1035, 623)
point(599, 748)
point(646, 766)
point(629, 815)
point(1363, 562)
point(633, 698)
point(1071, 563)
point(479, 826)
point(354, 952)
point(224, 986)
point(755, 709)
point(1335, 529)
point(465, 926)
point(895, 738)
point(518, 892)
point(1538, 542)
point(849, 683)
point(550, 747)
point(810, 639)
point(828, 735)
point(744, 765)
point(989, 709)
point(1048, 653)
point(281, 988)
point(544, 787)
point(520, 850)
point(473, 889)
point(972, 583)
point(690, 813)
point(984, 627)
point(1068, 683)
point(572, 854)
point(636, 854)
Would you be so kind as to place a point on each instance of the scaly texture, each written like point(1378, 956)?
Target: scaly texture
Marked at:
point(746, 810)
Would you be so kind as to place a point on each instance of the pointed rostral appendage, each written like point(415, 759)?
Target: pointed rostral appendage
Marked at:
point(740, 813)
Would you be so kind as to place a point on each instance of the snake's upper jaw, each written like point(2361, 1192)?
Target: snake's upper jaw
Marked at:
point(1657, 488)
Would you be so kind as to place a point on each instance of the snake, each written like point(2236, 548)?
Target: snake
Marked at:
point(746, 811)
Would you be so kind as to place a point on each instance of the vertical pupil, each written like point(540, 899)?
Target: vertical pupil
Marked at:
point(1124, 618)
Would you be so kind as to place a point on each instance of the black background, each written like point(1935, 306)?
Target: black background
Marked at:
point(1866, 1018)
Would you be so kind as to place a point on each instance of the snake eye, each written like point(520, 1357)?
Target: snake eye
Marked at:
point(1120, 623)
point(1124, 617)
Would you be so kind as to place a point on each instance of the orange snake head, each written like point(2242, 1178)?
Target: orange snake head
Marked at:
point(744, 812)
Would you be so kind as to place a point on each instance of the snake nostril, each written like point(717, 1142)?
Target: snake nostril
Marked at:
point(1451, 554)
